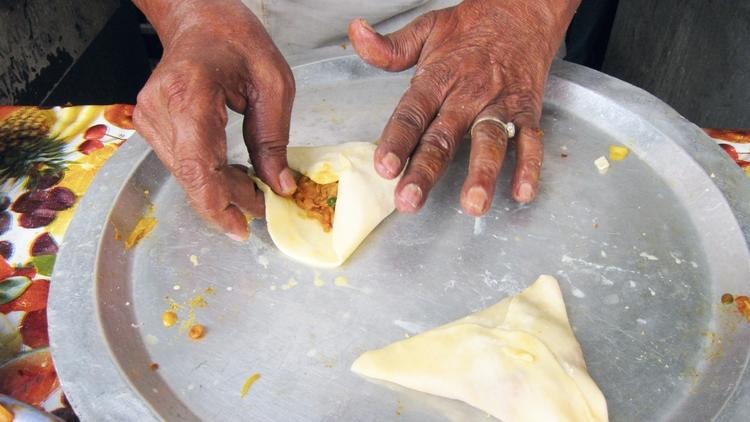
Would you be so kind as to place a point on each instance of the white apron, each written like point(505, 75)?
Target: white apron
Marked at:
point(308, 30)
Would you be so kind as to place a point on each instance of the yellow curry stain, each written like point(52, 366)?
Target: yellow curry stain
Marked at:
point(248, 383)
point(317, 281)
point(142, 228)
point(341, 281)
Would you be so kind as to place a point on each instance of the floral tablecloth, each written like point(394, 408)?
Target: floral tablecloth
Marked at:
point(48, 158)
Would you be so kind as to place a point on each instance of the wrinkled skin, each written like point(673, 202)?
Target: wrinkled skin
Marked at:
point(217, 54)
point(482, 58)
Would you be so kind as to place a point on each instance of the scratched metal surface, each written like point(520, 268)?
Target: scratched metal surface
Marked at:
point(642, 254)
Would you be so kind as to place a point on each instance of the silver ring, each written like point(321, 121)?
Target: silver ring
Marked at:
point(509, 128)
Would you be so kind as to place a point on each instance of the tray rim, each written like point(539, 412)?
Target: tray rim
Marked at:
point(75, 324)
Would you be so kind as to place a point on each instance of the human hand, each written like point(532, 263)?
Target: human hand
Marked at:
point(217, 54)
point(482, 58)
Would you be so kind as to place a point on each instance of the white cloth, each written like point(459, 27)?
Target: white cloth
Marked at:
point(308, 30)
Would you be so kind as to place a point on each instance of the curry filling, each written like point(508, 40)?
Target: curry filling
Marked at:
point(318, 201)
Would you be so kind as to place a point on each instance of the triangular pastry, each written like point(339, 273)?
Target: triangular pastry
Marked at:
point(363, 200)
point(517, 360)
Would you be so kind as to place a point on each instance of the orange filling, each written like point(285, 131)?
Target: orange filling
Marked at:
point(318, 201)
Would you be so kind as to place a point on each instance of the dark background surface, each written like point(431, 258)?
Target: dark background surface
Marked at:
point(693, 54)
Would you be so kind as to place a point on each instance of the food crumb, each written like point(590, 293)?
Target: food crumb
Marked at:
point(289, 284)
point(196, 331)
point(618, 153)
point(154, 366)
point(118, 236)
point(743, 305)
point(317, 281)
point(176, 287)
point(564, 155)
point(341, 281)
point(194, 260)
point(602, 164)
point(142, 228)
point(169, 318)
point(727, 298)
point(248, 383)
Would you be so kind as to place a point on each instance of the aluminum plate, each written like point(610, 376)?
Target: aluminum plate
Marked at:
point(642, 253)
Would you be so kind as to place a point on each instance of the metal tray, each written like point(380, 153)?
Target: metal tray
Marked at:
point(642, 253)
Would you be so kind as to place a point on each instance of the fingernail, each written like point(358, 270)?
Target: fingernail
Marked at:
point(288, 184)
point(235, 237)
point(412, 195)
point(476, 200)
point(525, 193)
point(392, 164)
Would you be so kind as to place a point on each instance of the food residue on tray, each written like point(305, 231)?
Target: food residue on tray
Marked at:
point(317, 281)
point(248, 383)
point(601, 164)
point(169, 318)
point(318, 201)
point(741, 302)
point(153, 366)
point(142, 228)
point(618, 153)
point(196, 331)
point(743, 306)
point(341, 281)
point(291, 283)
point(194, 260)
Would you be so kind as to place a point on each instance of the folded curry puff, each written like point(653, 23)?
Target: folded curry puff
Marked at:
point(340, 199)
point(517, 360)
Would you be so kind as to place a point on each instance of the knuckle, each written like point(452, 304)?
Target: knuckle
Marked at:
point(192, 174)
point(436, 74)
point(427, 168)
point(442, 139)
point(532, 164)
point(411, 116)
point(437, 148)
point(175, 89)
point(487, 167)
point(277, 82)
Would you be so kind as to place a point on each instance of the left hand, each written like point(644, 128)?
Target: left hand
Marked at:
point(482, 58)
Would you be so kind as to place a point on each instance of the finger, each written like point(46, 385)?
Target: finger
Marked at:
point(435, 150)
point(199, 165)
point(393, 52)
point(489, 143)
point(524, 109)
point(266, 130)
point(414, 112)
point(243, 191)
point(529, 152)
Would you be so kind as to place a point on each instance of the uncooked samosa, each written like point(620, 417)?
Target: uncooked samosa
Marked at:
point(340, 200)
point(517, 360)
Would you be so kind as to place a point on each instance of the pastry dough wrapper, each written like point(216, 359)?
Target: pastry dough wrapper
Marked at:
point(364, 199)
point(517, 360)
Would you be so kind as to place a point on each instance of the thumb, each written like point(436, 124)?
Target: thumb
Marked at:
point(394, 52)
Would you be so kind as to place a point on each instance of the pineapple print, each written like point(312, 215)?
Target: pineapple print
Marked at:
point(26, 149)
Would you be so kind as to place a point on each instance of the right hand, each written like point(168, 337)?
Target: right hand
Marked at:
point(217, 54)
